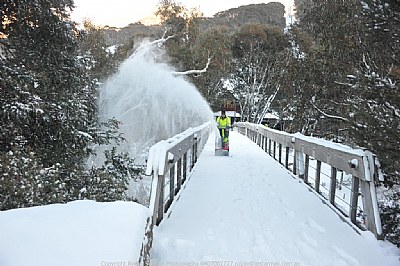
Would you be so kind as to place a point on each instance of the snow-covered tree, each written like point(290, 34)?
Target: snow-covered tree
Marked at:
point(259, 58)
point(48, 109)
point(182, 24)
point(99, 61)
point(344, 77)
point(214, 43)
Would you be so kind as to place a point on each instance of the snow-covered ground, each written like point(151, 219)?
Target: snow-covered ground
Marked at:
point(244, 209)
point(343, 190)
point(78, 233)
point(248, 208)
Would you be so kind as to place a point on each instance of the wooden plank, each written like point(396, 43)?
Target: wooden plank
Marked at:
point(182, 147)
point(336, 158)
point(280, 137)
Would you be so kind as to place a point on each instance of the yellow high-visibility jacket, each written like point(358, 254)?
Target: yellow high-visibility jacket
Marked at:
point(223, 122)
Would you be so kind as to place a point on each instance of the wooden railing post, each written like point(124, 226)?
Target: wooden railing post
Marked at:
point(184, 167)
point(332, 190)
point(300, 164)
point(192, 158)
point(306, 166)
point(280, 153)
point(171, 187)
point(368, 202)
point(266, 144)
point(178, 176)
point(269, 146)
point(263, 142)
point(355, 188)
point(318, 176)
point(274, 151)
point(194, 151)
point(159, 206)
point(287, 158)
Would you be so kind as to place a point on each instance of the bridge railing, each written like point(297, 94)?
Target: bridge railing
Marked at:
point(170, 162)
point(295, 151)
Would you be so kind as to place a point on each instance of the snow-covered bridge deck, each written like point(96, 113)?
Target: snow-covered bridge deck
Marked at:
point(248, 208)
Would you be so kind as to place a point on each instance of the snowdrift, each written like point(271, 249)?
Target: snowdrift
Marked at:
point(78, 233)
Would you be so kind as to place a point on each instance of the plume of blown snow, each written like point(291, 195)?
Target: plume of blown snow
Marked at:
point(151, 103)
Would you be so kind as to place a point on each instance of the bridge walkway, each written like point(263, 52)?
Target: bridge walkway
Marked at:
point(249, 208)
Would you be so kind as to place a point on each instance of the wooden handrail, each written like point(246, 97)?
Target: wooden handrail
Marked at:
point(360, 163)
point(173, 159)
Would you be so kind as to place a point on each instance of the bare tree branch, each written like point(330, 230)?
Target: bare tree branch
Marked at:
point(330, 116)
point(197, 72)
point(155, 42)
point(346, 84)
point(271, 98)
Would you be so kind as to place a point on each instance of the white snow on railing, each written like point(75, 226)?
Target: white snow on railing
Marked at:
point(158, 152)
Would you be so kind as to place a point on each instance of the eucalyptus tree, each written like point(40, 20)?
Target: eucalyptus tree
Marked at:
point(215, 44)
point(259, 58)
point(181, 26)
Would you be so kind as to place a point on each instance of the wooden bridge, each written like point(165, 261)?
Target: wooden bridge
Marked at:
point(341, 179)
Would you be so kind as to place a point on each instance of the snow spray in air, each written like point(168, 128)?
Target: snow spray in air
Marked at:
point(151, 103)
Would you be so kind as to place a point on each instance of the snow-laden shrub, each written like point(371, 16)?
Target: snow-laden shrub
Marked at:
point(110, 181)
point(24, 182)
point(389, 205)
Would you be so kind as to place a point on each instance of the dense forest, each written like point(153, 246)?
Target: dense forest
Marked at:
point(334, 74)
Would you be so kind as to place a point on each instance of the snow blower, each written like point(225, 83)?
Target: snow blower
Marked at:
point(222, 143)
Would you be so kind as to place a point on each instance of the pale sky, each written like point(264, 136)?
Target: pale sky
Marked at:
point(120, 13)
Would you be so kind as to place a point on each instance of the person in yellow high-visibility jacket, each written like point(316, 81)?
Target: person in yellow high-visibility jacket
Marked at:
point(224, 123)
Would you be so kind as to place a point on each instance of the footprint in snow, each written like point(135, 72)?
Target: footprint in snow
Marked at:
point(314, 225)
point(350, 260)
point(289, 213)
point(309, 240)
point(210, 234)
point(283, 201)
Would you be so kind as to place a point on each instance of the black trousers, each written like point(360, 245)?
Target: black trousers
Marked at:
point(222, 133)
